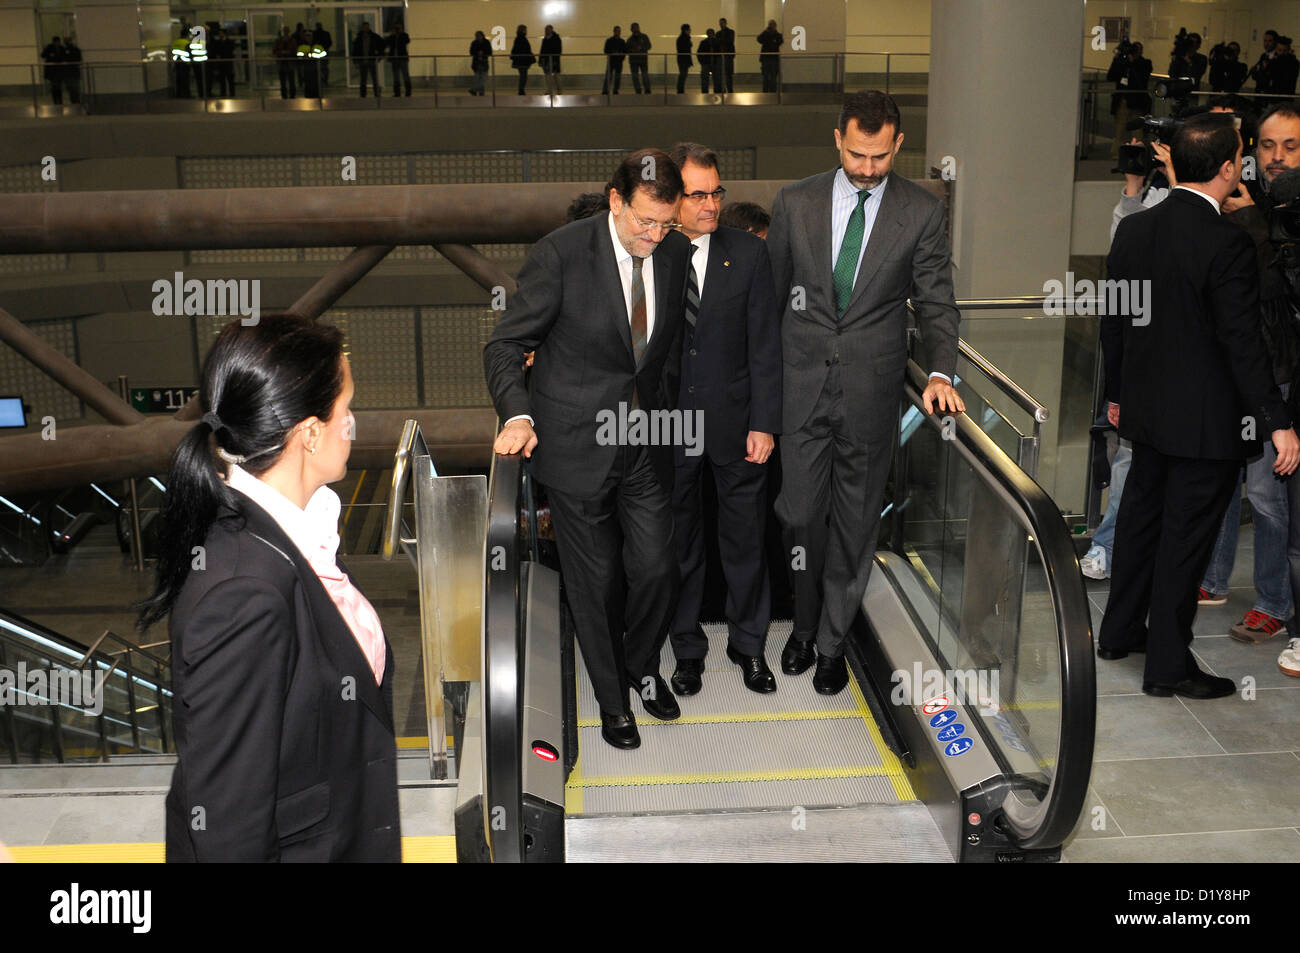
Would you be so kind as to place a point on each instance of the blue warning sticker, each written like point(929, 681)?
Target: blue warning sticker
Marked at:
point(960, 746)
point(955, 730)
point(943, 718)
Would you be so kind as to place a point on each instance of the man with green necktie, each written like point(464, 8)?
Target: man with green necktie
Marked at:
point(849, 247)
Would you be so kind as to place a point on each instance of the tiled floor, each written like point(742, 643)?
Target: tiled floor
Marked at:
point(1181, 780)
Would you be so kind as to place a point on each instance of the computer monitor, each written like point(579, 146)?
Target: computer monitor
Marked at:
point(11, 413)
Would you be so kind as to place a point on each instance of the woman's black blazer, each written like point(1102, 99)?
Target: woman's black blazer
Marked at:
point(286, 744)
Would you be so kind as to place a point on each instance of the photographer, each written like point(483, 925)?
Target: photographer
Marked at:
point(1227, 72)
point(1262, 71)
point(1130, 71)
point(1198, 345)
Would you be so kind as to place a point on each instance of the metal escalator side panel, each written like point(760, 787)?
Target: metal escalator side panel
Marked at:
point(1047, 823)
point(542, 717)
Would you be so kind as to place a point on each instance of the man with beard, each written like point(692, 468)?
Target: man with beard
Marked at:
point(1277, 151)
point(881, 240)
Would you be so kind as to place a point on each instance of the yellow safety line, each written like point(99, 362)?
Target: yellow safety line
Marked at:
point(420, 741)
point(355, 493)
point(729, 777)
point(753, 716)
point(889, 761)
point(573, 797)
point(439, 849)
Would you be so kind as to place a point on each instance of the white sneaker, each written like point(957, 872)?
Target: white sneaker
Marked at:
point(1094, 564)
point(1289, 660)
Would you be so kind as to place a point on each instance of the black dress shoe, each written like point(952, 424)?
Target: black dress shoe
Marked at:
point(831, 676)
point(1113, 655)
point(661, 704)
point(1197, 685)
point(619, 730)
point(686, 677)
point(797, 656)
point(753, 672)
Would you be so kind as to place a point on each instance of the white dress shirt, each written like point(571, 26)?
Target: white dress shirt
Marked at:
point(700, 260)
point(1209, 198)
point(624, 259)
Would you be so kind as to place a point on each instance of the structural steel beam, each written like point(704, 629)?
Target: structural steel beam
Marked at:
point(181, 219)
point(336, 282)
point(66, 371)
point(458, 438)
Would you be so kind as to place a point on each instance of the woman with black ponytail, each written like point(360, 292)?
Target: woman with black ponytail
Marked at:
point(281, 673)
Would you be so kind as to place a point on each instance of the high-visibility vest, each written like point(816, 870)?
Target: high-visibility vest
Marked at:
point(198, 51)
point(181, 50)
point(315, 51)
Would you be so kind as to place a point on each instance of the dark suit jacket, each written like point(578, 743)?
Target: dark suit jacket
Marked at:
point(906, 257)
point(285, 742)
point(731, 365)
point(684, 50)
point(1185, 380)
point(569, 307)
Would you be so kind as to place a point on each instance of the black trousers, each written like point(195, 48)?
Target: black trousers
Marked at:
point(620, 574)
point(288, 78)
point(681, 77)
point(369, 67)
point(832, 485)
point(1165, 530)
point(742, 521)
point(401, 70)
point(640, 76)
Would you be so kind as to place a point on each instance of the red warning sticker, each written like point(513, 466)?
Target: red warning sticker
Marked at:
point(936, 705)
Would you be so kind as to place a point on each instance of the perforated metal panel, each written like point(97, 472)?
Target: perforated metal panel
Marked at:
point(453, 338)
point(452, 167)
point(381, 347)
point(27, 178)
point(20, 376)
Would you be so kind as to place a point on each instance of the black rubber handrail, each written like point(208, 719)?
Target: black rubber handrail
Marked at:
point(1049, 823)
point(502, 671)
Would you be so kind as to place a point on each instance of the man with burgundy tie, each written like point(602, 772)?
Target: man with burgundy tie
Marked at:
point(601, 302)
point(849, 247)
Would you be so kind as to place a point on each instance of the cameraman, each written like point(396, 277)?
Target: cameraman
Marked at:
point(1130, 71)
point(1277, 151)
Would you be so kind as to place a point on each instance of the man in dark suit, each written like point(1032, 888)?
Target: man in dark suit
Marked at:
point(601, 302)
point(849, 247)
point(726, 47)
point(731, 375)
point(615, 50)
point(1194, 389)
point(684, 58)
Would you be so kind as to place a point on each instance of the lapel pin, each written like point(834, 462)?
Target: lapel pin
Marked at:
point(726, 264)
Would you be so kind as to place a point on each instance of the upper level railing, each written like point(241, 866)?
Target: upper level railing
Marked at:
point(156, 85)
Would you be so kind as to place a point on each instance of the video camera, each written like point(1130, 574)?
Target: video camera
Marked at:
point(1140, 159)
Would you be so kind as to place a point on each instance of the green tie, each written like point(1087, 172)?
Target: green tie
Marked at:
point(847, 264)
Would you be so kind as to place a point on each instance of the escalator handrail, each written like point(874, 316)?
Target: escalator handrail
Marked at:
point(1058, 812)
point(411, 444)
point(502, 631)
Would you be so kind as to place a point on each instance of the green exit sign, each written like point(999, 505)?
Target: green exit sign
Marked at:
point(161, 400)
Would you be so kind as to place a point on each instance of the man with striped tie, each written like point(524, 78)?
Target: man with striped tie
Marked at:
point(600, 301)
point(849, 247)
point(731, 376)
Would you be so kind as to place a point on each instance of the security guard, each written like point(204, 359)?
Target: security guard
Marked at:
point(311, 57)
point(181, 64)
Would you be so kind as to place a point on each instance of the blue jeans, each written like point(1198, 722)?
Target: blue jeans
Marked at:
point(1105, 535)
point(1270, 504)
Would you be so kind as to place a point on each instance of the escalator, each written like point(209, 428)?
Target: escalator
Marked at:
point(965, 734)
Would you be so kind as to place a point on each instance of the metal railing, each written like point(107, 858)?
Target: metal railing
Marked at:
point(67, 702)
point(260, 83)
